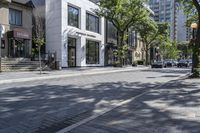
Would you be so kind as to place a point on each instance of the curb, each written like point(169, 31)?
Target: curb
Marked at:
point(66, 75)
point(67, 129)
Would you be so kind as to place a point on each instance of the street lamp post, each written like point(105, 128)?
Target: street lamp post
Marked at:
point(194, 27)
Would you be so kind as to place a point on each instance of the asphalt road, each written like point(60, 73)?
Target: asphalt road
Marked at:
point(51, 105)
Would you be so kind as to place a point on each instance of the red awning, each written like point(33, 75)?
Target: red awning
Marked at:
point(20, 33)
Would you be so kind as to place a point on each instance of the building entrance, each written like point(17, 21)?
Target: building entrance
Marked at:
point(71, 52)
point(19, 43)
point(18, 48)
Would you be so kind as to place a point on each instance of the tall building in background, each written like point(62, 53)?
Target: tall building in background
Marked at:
point(169, 11)
point(183, 33)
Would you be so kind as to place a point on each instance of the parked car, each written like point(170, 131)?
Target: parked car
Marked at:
point(168, 63)
point(190, 62)
point(157, 64)
point(175, 62)
point(183, 63)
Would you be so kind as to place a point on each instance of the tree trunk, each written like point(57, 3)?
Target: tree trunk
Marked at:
point(40, 59)
point(147, 57)
point(196, 60)
point(119, 47)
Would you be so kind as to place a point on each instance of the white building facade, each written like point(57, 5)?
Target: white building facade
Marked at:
point(75, 33)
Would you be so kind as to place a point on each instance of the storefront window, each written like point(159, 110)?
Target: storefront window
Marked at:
point(92, 23)
point(15, 17)
point(111, 33)
point(92, 52)
point(73, 16)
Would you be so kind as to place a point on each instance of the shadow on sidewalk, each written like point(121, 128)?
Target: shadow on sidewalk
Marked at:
point(44, 108)
point(47, 105)
point(171, 110)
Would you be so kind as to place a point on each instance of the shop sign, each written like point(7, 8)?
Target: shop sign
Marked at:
point(20, 33)
point(84, 34)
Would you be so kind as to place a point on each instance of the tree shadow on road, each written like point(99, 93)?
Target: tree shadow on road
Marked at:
point(173, 108)
point(28, 108)
point(44, 105)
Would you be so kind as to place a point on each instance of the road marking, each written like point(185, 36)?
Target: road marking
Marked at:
point(69, 128)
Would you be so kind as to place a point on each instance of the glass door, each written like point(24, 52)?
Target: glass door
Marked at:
point(71, 52)
point(19, 48)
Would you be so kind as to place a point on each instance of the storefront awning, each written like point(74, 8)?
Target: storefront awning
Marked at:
point(20, 33)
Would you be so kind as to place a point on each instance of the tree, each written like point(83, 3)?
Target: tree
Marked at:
point(122, 14)
point(39, 31)
point(192, 9)
point(184, 49)
point(152, 34)
point(169, 50)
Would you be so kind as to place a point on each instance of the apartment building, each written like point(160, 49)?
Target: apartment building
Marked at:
point(75, 33)
point(165, 12)
point(169, 11)
point(16, 18)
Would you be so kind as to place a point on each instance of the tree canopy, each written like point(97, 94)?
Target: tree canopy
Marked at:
point(153, 34)
point(122, 14)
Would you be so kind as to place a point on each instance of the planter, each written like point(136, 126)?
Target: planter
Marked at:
point(134, 64)
point(140, 62)
point(117, 64)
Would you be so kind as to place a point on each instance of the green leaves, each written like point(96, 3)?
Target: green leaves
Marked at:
point(153, 33)
point(122, 13)
point(39, 41)
point(169, 50)
point(192, 9)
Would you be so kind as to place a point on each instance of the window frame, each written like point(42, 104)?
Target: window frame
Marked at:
point(21, 15)
point(97, 52)
point(99, 22)
point(79, 14)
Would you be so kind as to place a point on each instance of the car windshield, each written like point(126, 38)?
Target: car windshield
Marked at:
point(182, 61)
point(159, 62)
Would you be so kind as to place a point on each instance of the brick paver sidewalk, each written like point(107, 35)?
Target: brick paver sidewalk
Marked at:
point(174, 108)
point(45, 105)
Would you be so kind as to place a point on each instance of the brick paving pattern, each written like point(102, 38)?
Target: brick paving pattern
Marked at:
point(35, 106)
point(173, 108)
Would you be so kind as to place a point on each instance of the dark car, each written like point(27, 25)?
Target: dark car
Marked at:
point(168, 63)
point(175, 62)
point(189, 62)
point(157, 64)
point(183, 63)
